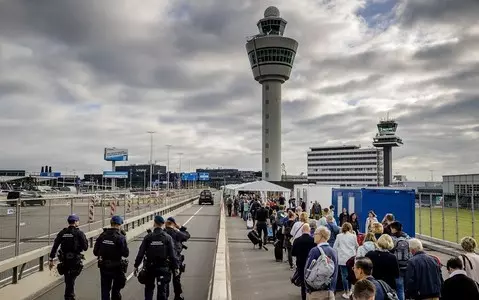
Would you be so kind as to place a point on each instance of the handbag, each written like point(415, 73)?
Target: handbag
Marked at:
point(296, 279)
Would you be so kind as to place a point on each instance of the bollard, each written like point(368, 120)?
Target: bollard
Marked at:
point(112, 208)
point(91, 210)
point(128, 205)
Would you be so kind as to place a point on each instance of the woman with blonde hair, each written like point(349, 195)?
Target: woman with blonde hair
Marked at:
point(346, 244)
point(378, 229)
point(370, 244)
point(385, 264)
point(470, 259)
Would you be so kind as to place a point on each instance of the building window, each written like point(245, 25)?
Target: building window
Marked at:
point(267, 116)
point(266, 87)
point(266, 160)
point(266, 131)
point(266, 174)
point(266, 101)
point(266, 145)
point(272, 55)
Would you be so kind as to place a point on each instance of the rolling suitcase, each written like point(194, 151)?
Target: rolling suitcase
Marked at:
point(278, 250)
point(254, 237)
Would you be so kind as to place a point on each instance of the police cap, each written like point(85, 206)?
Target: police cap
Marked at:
point(73, 218)
point(159, 220)
point(117, 220)
point(171, 219)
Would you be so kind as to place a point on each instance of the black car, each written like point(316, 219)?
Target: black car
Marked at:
point(26, 198)
point(206, 197)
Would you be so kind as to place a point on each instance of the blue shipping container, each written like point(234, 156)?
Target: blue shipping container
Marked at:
point(399, 202)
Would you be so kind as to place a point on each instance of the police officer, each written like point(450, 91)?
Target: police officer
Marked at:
point(72, 241)
point(160, 259)
point(110, 247)
point(179, 234)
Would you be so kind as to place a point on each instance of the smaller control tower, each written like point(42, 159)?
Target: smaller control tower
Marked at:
point(271, 57)
point(386, 138)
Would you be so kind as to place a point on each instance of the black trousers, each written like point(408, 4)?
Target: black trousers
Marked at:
point(229, 210)
point(262, 227)
point(162, 278)
point(70, 286)
point(177, 288)
point(112, 281)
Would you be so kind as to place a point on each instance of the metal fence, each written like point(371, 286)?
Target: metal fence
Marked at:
point(27, 224)
point(449, 216)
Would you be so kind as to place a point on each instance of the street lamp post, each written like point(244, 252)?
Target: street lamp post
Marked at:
point(151, 157)
point(179, 171)
point(168, 147)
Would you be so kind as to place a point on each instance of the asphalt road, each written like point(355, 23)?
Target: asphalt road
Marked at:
point(202, 223)
point(34, 229)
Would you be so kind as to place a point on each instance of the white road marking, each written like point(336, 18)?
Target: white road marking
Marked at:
point(184, 224)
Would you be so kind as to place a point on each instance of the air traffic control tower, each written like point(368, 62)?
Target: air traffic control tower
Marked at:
point(386, 138)
point(271, 56)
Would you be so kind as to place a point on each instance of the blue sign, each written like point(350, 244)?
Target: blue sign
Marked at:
point(113, 154)
point(52, 174)
point(113, 174)
point(189, 177)
point(204, 176)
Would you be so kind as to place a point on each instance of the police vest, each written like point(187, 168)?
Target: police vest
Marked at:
point(69, 242)
point(177, 244)
point(110, 245)
point(156, 252)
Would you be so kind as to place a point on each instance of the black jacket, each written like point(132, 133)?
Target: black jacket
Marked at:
point(262, 214)
point(458, 287)
point(423, 277)
point(179, 237)
point(111, 245)
point(301, 248)
point(385, 266)
point(166, 245)
point(70, 239)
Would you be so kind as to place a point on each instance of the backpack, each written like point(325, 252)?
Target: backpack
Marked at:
point(389, 293)
point(401, 251)
point(319, 274)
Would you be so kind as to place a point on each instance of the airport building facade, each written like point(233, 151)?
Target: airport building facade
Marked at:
point(348, 165)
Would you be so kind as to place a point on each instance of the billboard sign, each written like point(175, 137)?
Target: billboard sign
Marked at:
point(189, 177)
point(52, 174)
point(204, 176)
point(113, 174)
point(114, 154)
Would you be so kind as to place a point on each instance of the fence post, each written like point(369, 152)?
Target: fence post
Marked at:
point(473, 216)
point(430, 215)
point(420, 213)
point(443, 221)
point(49, 221)
point(102, 198)
point(17, 227)
point(457, 218)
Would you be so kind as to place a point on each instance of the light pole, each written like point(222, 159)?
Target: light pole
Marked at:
point(144, 181)
point(180, 154)
point(151, 157)
point(168, 147)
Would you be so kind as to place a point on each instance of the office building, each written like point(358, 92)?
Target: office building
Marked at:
point(347, 165)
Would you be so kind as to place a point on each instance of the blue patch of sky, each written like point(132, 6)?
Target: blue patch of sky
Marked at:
point(353, 102)
point(379, 14)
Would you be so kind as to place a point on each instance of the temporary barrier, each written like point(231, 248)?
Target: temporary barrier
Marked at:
point(112, 207)
point(128, 205)
point(397, 201)
point(91, 210)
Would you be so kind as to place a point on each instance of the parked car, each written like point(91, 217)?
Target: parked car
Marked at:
point(26, 198)
point(206, 197)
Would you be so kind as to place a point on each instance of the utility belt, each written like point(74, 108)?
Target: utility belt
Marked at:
point(70, 263)
point(156, 263)
point(70, 257)
point(113, 264)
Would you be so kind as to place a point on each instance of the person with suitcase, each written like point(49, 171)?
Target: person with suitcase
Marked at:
point(301, 248)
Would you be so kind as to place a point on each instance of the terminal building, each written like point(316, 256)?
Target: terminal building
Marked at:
point(347, 165)
point(219, 177)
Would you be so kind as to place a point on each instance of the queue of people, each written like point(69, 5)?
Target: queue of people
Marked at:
point(159, 260)
point(380, 262)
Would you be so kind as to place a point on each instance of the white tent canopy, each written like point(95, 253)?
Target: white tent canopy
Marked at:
point(262, 186)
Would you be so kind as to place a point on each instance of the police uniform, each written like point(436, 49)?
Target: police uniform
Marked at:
point(110, 247)
point(179, 237)
point(71, 241)
point(158, 247)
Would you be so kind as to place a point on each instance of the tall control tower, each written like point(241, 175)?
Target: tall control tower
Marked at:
point(271, 56)
point(386, 138)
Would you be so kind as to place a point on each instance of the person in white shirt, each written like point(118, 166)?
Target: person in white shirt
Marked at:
point(346, 244)
point(296, 231)
point(372, 218)
point(470, 259)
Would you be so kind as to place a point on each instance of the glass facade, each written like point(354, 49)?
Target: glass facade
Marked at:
point(272, 26)
point(272, 55)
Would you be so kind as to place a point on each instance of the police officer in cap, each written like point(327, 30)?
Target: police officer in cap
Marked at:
point(72, 241)
point(179, 235)
point(159, 249)
point(110, 247)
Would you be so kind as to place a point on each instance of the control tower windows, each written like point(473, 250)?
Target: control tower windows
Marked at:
point(272, 55)
point(271, 27)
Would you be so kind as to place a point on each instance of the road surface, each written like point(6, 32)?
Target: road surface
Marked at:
point(202, 223)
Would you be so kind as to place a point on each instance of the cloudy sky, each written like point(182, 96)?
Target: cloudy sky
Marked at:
point(76, 76)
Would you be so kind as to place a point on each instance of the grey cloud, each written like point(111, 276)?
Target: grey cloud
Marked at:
point(459, 12)
point(352, 85)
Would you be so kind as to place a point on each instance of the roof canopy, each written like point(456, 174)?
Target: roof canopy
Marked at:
point(261, 186)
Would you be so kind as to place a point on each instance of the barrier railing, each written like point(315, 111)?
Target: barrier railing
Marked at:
point(447, 217)
point(14, 268)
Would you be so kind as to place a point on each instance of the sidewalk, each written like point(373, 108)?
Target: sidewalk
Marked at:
point(256, 275)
